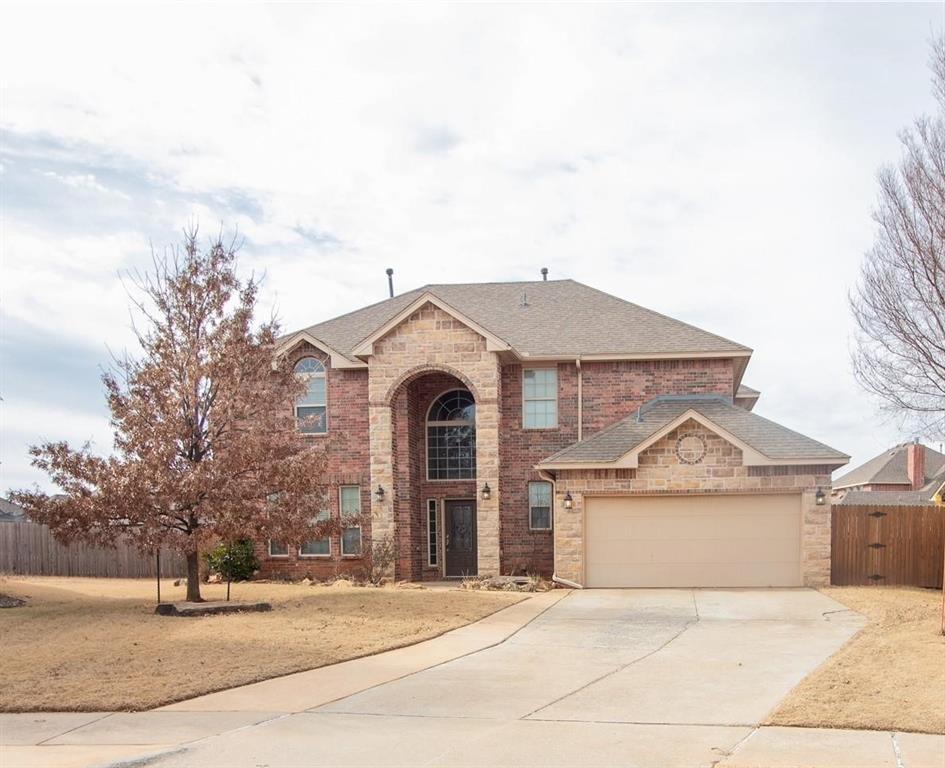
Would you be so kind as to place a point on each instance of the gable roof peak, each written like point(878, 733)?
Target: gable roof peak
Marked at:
point(562, 319)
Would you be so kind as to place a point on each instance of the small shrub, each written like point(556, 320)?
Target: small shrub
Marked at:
point(379, 560)
point(234, 562)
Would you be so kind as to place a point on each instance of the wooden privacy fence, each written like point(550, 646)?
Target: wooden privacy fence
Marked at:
point(887, 545)
point(29, 548)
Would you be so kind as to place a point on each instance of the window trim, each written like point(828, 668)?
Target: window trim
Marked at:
point(341, 536)
point(426, 439)
point(551, 506)
point(525, 400)
point(269, 550)
point(433, 546)
point(322, 555)
point(323, 374)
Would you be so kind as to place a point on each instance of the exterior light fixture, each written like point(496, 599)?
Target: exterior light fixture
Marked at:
point(568, 501)
point(820, 498)
point(379, 493)
point(486, 492)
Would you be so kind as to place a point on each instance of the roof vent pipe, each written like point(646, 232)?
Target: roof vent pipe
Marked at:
point(544, 273)
point(390, 281)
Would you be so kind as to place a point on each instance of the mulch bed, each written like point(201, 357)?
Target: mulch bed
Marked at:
point(8, 601)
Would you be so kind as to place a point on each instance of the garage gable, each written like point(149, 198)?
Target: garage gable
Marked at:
point(761, 442)
point(692, 440)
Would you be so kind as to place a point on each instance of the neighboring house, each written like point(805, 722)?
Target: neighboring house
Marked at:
point(906, 475)
point(10, 512)
point(548, 427)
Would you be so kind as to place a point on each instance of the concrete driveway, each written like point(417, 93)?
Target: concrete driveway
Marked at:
point(604, 677)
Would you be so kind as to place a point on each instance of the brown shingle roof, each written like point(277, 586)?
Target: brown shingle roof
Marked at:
point(541, 319)
point(768, 438)
point(886, 499)
point(890, 468)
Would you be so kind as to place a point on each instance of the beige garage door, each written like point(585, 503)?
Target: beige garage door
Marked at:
point(693, 541)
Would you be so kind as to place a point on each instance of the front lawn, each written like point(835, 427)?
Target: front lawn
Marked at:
point(95, 644)
point(890, 676)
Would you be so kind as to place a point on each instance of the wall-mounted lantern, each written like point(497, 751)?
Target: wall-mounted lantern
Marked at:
point(486, 492)
point(379, 493)
point(568, 501)
point(820, 498)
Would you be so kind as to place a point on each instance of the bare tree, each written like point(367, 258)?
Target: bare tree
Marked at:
point(206, 445)
point(899, 303)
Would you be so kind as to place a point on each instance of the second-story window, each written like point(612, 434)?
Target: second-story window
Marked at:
point(451, 437)
point(311, 410)
point(540, 398)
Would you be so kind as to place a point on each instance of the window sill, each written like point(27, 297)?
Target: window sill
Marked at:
point(452, 480)
point(540, 530)
point(351, 557)
point(278, 557)
point(314, 557)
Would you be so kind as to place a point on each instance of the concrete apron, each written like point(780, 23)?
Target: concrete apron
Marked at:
point(643, 677)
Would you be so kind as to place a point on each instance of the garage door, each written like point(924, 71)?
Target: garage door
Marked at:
point(693, 541)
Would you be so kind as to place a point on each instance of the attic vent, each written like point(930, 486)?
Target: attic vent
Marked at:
point(524, 298)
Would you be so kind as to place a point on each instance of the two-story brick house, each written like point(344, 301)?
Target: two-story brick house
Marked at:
point(549, 427)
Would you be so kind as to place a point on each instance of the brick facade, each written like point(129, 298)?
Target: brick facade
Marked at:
point(377, 437)
point(348, 464)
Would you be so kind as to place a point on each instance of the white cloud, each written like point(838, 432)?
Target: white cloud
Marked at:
point(715, 163)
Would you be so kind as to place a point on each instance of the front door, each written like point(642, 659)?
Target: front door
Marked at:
point(460, 542)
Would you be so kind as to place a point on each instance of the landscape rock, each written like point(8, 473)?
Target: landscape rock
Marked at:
point(211, 608)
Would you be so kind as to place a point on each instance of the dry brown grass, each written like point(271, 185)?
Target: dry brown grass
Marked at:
point(890, 677)
point(95, 644)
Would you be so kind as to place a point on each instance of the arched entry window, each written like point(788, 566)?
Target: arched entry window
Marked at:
point(451, 437)
point(311, 409)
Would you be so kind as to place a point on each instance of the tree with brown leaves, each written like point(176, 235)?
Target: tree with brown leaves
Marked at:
point(899, 304)
point(206, 444)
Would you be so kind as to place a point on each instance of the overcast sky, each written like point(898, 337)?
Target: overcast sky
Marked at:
point(714, 163)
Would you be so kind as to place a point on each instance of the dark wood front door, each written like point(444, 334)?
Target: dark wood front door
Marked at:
point(460, 542)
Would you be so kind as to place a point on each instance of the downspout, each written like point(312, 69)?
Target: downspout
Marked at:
point(566, 583)
point(580, 398)
point(549, 477)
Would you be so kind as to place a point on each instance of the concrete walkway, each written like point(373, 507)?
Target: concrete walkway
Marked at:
point(633, 678)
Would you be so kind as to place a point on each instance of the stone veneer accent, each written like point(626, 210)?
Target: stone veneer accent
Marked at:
point(721, 471)
point(432, 340)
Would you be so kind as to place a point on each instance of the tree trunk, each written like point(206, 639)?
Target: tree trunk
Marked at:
point(193, 577)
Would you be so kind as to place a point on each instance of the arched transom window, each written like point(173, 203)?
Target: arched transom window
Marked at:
point(311, 409)
point(451, 437)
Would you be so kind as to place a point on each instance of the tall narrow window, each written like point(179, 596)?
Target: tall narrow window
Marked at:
point(318, 547)
point(433, 553)
point(540, 398)
point(539, 506)
point(311, 410)
point(451, 437)
point(349, 501)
